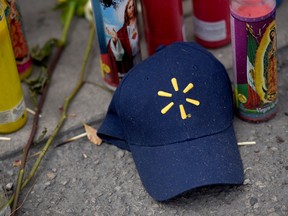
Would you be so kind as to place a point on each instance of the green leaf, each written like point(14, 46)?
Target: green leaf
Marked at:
point(36, 85)
point(64, 5)
point(61, 6)
point(64, 16)
point(80, 8)
point(40, 54)
point(41, 137)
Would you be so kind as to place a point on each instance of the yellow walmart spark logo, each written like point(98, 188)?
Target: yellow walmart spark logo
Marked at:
point(181, 106)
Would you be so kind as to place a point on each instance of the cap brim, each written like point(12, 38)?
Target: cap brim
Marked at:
point(167, 171)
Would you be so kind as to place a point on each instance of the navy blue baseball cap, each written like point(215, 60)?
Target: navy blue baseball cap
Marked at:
point(174, 112)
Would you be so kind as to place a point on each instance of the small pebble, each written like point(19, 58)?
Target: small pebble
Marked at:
point(9, 186)
point(253, 201)
point(10, 172)
point(47, 184)
point(120, 154)
point(247, 182)
point(64, 182)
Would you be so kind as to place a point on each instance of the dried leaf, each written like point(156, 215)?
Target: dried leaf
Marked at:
point(17, 163)
point(92, 134)
point(51, 175)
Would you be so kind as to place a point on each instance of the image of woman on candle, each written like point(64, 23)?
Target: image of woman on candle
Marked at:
point(262, 62)
point(124, 44)
point(272, 67)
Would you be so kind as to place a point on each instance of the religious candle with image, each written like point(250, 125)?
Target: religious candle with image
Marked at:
point(253, 29)
point(19, 42)
point(118, 38)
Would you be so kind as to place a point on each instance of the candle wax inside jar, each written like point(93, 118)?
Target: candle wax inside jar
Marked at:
point(253, 11)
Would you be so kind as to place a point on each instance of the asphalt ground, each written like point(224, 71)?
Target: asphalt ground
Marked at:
point(81, 178)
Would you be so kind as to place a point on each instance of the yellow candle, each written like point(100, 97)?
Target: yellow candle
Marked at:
point(12, 107)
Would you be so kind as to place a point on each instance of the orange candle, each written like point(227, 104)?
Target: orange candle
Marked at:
point(252, 8)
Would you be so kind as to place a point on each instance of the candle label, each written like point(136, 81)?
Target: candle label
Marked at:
point(118, 38)
point(13, 114)
point(255, 66)
point(210, 31)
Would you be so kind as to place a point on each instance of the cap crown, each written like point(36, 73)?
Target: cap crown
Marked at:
point(181, 94)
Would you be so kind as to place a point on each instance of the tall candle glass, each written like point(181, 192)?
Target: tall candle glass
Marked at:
point(163, 23)
point(253, 29)
point(118, 38)
point(212, 22)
